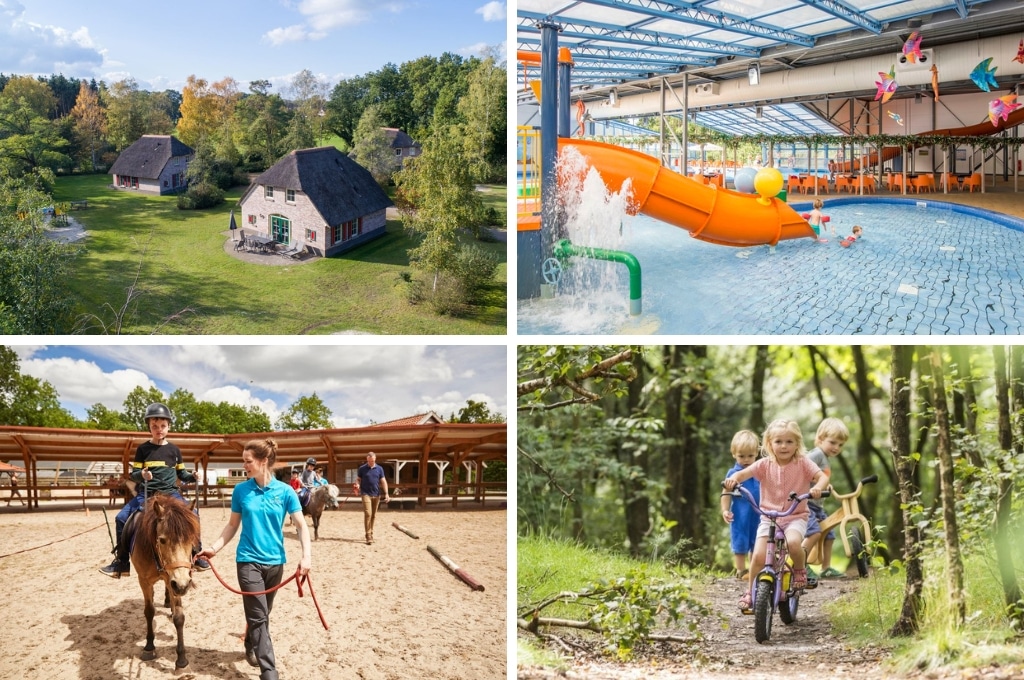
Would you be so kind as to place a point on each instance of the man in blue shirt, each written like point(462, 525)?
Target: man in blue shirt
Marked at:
point(371, 480)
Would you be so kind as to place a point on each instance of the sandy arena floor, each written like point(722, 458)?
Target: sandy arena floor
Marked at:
point(394, 610)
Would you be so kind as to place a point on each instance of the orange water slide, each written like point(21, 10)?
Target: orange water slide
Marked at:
point(979, 130)
point(709, 213)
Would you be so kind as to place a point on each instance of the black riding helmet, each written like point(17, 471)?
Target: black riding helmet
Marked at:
point(158, 411)
point(311, 461)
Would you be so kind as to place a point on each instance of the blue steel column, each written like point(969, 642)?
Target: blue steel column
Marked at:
point(564, 117)
point(548, 130)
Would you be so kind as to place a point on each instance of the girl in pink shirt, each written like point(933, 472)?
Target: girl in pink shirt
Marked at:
point(783, 470)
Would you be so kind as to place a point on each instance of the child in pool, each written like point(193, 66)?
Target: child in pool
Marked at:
point(858, 232)
point(814, 219)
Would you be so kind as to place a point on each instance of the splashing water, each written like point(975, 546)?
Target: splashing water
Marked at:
point(592, 294)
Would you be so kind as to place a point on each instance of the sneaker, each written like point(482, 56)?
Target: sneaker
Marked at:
point(799, 579)
point(202, 564)
point(832, 573)
point(812, 579)
point(745, 605)
point(742, 574)
point(116, 569)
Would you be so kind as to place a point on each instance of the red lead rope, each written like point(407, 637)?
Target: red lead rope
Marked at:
point(294, 577)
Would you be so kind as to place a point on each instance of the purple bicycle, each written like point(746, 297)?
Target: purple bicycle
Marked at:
point(772, 588)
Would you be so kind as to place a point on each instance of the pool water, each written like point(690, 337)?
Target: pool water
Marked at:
point(921, 268)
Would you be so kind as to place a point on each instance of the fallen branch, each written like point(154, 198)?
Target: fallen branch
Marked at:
point(551, 477)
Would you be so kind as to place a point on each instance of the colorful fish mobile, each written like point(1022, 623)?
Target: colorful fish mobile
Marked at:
point(896, 117)
point(1020, 52)
point(912, 48)
point(1002, 107)
point(887, 85)
point(983, 76)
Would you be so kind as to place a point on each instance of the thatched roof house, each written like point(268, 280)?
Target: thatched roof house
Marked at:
point(155, 164)
point(403, 145)
point(319, 198)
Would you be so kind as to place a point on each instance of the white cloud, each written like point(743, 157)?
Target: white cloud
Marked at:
point(493, 11)
point(280, 36)
point(83, 383)
point(323, 16)
point(31, 48)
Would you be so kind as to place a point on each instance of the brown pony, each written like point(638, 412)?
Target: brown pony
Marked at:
point(166, 534)
point(320, 498)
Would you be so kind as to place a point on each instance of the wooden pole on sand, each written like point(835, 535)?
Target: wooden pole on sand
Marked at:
point(403, 529)
point(470, 581)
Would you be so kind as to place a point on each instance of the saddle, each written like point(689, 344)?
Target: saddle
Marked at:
point(304, 496)
point(127, 545)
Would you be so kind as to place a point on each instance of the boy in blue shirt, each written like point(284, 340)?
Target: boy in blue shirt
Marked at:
point(741, 517)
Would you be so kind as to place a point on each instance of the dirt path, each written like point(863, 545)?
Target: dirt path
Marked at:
point(727, 649)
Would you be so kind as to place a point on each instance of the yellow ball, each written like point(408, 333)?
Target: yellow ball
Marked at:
point(768, 183)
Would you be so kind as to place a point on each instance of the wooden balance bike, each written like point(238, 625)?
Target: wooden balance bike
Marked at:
point(854, 540)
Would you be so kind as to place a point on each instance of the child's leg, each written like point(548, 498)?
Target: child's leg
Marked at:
point(826, 554)
point(794, 540)
point(739, 560)
point(758, 556)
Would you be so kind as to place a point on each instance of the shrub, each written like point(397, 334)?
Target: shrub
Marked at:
point(474, 267)
point(200, 196)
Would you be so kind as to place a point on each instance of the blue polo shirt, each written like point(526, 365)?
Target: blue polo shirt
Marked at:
point(263, 512)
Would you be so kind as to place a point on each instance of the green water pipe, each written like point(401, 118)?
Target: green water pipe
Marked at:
point(564, 249)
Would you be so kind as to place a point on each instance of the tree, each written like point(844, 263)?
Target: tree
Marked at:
point(27, 400)
point(30, 144)
point(371, 148)
point(345, 107)
point(126, 118)
point(954, 562)
point(899, 428)
point(100, 417)
point(309, 93)
point(307, 413)
point(206, 110)
point(34, 297)
point(260, 126)
point(35, 95)
point(484, 131)
point(90, 122)
point(476, 412)
point(437, 198)
point(1004, 500)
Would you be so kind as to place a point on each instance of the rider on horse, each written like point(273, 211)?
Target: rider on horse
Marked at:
point(156, 469)
point(308, 480)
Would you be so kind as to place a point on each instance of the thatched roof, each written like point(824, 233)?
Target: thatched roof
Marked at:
point(340, 188)
point(148, 156)
point(398, 139)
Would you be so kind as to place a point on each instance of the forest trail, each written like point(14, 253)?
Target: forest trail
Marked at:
point(805, 650)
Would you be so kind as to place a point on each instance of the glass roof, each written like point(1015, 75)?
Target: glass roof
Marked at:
point(778, 119)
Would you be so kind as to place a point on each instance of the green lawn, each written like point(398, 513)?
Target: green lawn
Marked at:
point(184, 266)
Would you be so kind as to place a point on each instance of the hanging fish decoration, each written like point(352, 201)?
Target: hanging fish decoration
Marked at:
point(935, 81)
point(887, 85)
point(984, 77)
point(912, 48)
point(1002, 107)
point(1020, 52)
point(896, 117)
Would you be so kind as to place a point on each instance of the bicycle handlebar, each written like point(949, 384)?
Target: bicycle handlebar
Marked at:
point(796, 499)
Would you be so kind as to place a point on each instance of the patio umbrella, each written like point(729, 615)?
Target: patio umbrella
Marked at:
point(233, 225)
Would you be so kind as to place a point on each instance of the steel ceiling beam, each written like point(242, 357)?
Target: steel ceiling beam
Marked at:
point(593, 30)
point(583, 52)
point(851, 15)
point(692, 15)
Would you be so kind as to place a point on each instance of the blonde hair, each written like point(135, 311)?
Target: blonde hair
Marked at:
point(783, 425)
point(744, 440)
point(831, 428)
point(818, 204)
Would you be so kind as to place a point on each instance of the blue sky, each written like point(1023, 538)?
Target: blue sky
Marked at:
point(359, 384)
point(161, 44)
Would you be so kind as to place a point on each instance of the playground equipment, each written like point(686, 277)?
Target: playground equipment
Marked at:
point(709, 213)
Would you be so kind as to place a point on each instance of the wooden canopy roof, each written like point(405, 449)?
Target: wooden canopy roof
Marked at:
point(455, 442)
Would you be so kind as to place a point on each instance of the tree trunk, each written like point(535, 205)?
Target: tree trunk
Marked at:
point(757, 421)
point(954, 564)
point(867, 424)
point(1003, 537)
point(816, 379)
point(696, 479)
point(674, 439)
point(635, 501)
point(899, 429)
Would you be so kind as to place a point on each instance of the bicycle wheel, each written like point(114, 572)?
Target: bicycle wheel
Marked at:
point(763, 594)
point(860, 555)
point(788, 607)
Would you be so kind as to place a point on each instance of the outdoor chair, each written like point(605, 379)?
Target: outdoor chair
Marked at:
point(240, 244)
point(926, 182)
point(971, 182)
point(842, 183)
point(793, 184)
point(292, 250)
point(952, 181)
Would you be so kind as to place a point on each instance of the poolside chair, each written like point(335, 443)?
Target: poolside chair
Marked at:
point(843, 182)
point(971, 182)
point(793, 184)
point(952, 182)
